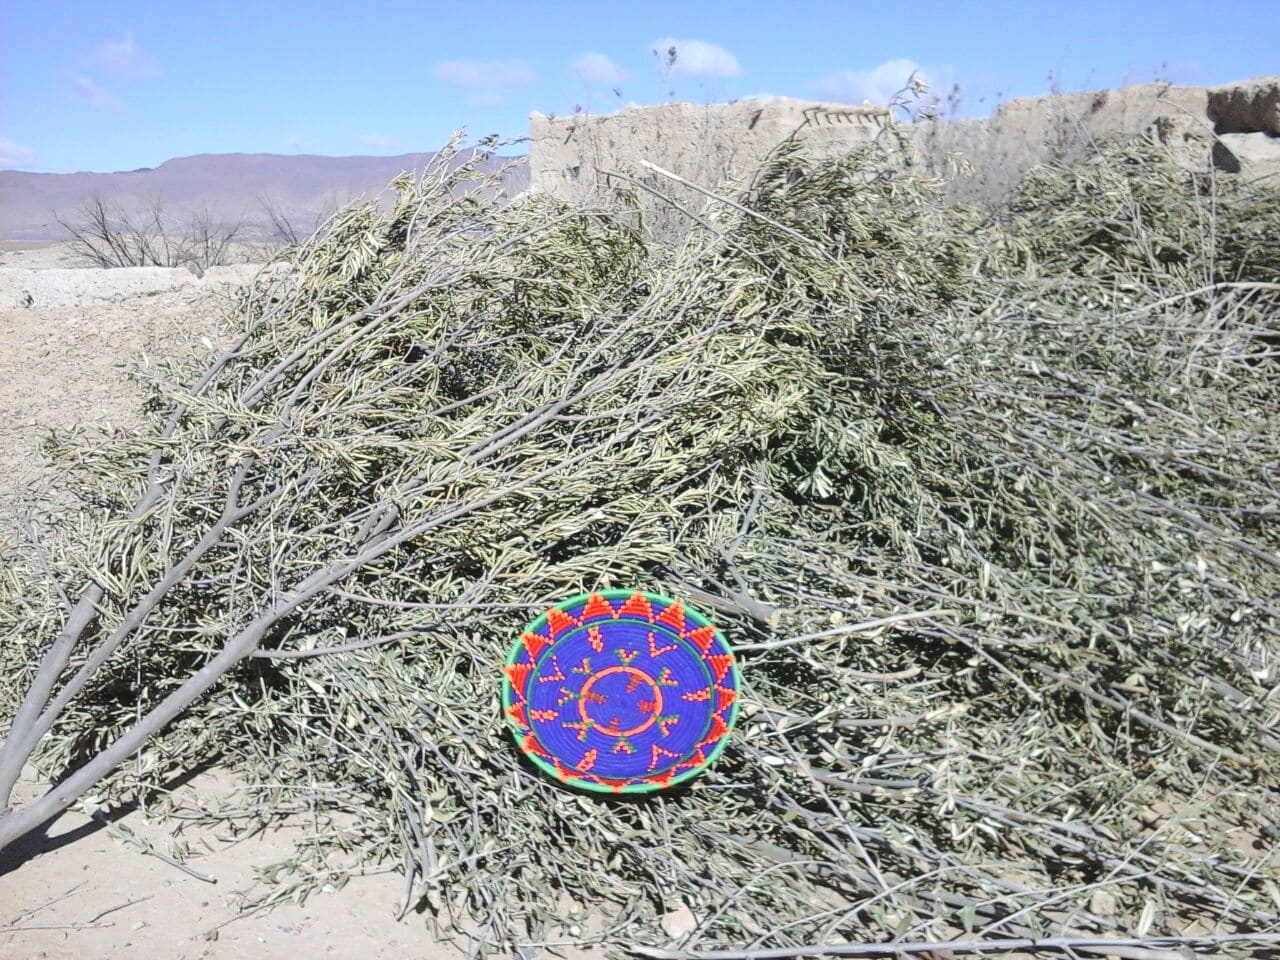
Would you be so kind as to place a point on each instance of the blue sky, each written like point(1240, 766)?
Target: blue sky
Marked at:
point(123, 84)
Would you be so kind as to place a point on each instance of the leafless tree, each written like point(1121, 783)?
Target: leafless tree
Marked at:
point(111, 236)
point(283, 229)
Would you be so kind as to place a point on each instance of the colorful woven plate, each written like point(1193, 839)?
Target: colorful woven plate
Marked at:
point(621, 691)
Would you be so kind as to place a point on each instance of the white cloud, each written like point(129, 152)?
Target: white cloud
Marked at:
point(877, 85)
point(472, 73)
point(597, 68)
point(123, 58)
point(15, 156)
point(92, 94)
point(694, 58)
point(377, 141)
point(296, 144)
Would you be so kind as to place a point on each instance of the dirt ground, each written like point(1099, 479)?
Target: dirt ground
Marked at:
point(79, 891)
point(64, 358)
point(63, 367)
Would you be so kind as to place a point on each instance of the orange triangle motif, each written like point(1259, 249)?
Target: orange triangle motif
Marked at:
point(696, 760)
point(721, 662)
point(662, 779)
point(673, 616)
point(702, 638)
point(724, 697)
point(718, 730)
point(558, 621)
point(597, 606)
point(517, 673)
point(535, 643)
point(516, 713)
point(637, 605)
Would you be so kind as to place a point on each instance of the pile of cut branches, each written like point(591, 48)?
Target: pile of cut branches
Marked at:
point(986, 504)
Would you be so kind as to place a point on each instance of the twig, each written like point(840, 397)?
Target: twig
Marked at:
point(1126, 707)
point(17, 747)
point(863, 627)
point(96, 917)
point(149, 849)
point(737, 601)
point(48, 903)
point(344, 648)
point(822, 251)
point(1139, 948)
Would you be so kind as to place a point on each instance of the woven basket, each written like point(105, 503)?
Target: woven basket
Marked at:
point(621, 691)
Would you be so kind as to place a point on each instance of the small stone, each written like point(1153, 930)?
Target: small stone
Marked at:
point(1149, 817)
point(1102, 903)
point(139, 925)
point(679, 922)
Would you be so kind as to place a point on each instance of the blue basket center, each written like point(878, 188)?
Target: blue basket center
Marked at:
point(621, 688)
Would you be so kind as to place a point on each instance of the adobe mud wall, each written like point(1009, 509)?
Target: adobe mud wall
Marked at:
point(705, 143)
point(1234, 128)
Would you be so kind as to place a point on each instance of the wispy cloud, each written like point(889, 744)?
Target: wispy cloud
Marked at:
point(473, 73)
point(694, 58)
point(15, 156)
point(296, 144)
point(123, 58)
point(597, 68)
point(877, 85)
point(377, 141)
point(92, 94)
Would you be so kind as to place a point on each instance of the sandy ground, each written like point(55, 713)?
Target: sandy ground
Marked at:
point(67, 338)
point(14, 254)
point(79, 891)
point(65, 366)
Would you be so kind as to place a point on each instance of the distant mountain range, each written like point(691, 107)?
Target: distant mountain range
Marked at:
point(229, 186)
